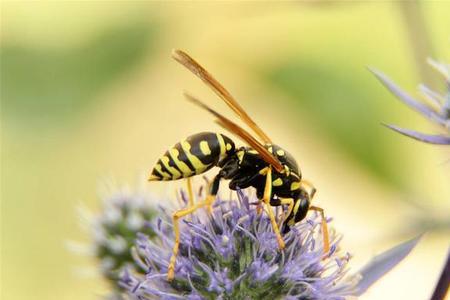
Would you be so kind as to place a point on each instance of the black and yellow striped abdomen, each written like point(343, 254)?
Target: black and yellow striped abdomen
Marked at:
point(193, 156)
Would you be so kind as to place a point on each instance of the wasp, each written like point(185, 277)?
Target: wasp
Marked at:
point(268, 168)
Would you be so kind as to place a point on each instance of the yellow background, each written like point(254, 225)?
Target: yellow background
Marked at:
point(89, 93)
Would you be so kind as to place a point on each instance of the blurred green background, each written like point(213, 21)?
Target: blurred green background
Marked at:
point(89, 92)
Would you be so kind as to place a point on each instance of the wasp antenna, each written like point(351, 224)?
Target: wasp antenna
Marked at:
point(189, 96)
point(179, 56)
point(176, 54)
point(197, 102)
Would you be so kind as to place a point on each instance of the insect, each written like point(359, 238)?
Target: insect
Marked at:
point(270, 169)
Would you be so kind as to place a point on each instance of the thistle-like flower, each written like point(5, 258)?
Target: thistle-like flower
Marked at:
point(437, 110)
point(229, 254)
point(233, 254)
point(114, 233)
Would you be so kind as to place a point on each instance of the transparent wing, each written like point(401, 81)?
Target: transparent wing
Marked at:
point(240, 132)
point(187, 61)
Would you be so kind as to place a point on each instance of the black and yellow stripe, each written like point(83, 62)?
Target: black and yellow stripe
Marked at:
point(195, 155)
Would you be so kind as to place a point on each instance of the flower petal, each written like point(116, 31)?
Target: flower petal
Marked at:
point(442, 68)
point(433, 97)
point(427, 138)
point(383, 263)
point(407, 99)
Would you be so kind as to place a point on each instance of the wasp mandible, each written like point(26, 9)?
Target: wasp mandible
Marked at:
point(270, 169)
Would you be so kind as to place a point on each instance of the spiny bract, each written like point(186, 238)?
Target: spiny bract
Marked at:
point(436, 110)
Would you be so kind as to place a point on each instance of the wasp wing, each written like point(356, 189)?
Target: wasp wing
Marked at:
point(254, 143)
point(240, 132)
point(193, 66)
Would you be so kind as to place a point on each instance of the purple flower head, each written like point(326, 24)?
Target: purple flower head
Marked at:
point(229, 254)
point(114, 231)
point(436, 110)
point(233, 254)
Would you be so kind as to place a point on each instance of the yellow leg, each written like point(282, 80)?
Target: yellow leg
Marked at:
point(259, 207)
point(177, 215)
point(290, 202)
point(209, 202)
point(190, 192)
point(326, 239)
point(213, 189)
point(266, 200)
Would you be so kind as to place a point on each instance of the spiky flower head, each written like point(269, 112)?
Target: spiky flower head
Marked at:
point(233, 254)
point(436, 110)
point(114, 230)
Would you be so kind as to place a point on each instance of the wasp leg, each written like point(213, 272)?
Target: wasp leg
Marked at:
point(283, 201)
point(326, 239)
point(190, 192)
point(176, 229)
point(214, 189)
point(244, 181)
point(259, 208)
point(259, 193)
point(276, 202)
point(229, 169)
point(266, 200)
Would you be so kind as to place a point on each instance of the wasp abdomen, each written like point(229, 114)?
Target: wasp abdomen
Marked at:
point(195, 155)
